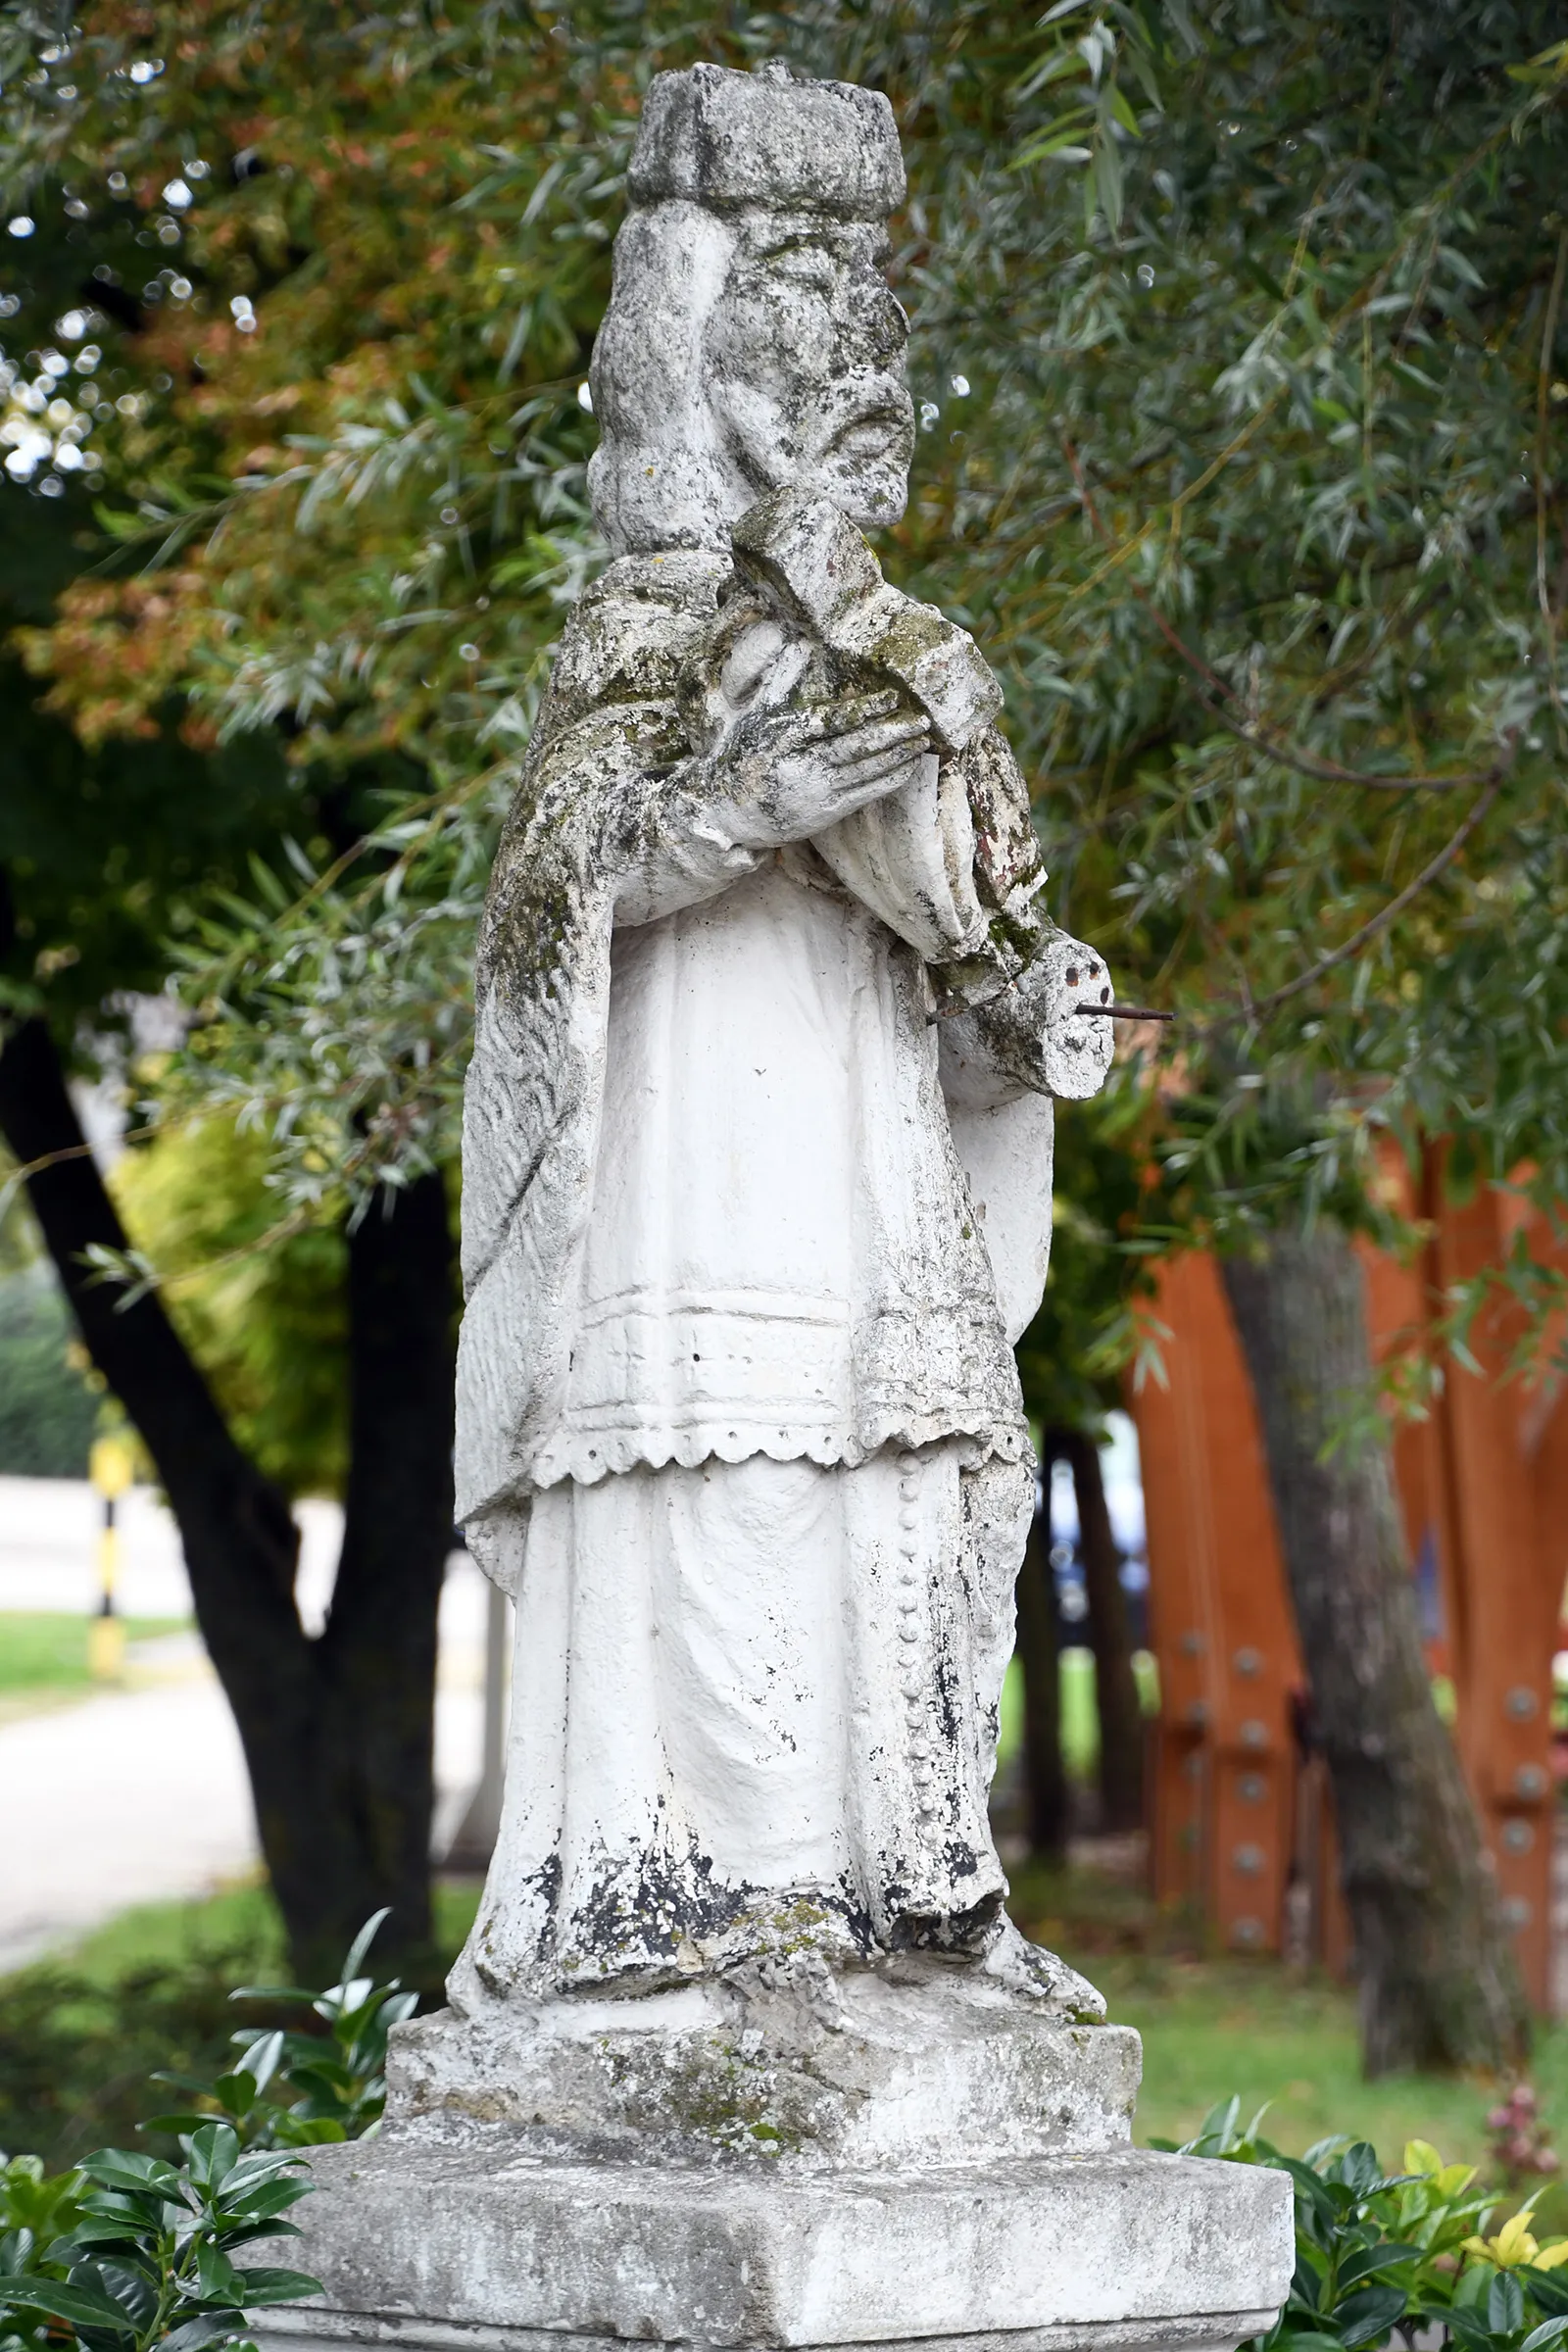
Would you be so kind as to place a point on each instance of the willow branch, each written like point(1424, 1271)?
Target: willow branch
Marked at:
point(1548, 336)
point(47, 1159)
point(1385, 916)
point(1307, 764)
point(1328, 771)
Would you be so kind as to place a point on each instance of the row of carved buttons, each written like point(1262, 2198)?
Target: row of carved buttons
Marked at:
point(916, 1694)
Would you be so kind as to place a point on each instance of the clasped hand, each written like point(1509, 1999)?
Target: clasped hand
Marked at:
point(784, 775)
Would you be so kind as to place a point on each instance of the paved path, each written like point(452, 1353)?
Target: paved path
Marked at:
point(127, 1798)
point(139, 1796)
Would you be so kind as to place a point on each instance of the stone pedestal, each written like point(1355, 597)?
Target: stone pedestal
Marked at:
point(906, 2153)
point(466, 2237)
point(912, 2061)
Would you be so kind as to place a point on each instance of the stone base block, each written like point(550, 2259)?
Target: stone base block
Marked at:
point(469, 2238)
point(909, 2065)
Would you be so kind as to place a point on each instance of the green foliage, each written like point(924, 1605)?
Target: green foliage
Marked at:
point(108, 852)
point(1238, 349)
point(128, 2251)
point(78, 2044)
point(417, 273)
point(48, 1412)
point(1383, 2253)
point(259, 1297)
point(81, 2037)
point(146, 2255)
point(298, 2090)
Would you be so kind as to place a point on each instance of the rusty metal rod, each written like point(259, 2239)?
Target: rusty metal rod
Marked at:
point(1124, 1012)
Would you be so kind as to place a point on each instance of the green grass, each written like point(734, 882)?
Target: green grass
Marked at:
point(44, 1652)
point(242, 1919)
point(1273, 2035)
point(1213, 2026)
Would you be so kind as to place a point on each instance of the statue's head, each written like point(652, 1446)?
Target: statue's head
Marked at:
point(751, 341)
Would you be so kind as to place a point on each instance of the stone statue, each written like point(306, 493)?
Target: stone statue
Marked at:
point(757, 1181)
point(756, 1155)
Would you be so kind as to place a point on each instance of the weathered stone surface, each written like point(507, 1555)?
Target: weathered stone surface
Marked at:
point(481, 2231)
point(915, 2065)
point(725, 1224)
point(826, 580)
point(292, 2330)
point(728, 140)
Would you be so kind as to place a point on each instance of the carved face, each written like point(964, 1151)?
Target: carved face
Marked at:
point(804, 357)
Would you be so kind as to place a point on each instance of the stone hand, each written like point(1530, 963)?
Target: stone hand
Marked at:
point(783, 777)
point(1031, 1034)
point(1074, 1048)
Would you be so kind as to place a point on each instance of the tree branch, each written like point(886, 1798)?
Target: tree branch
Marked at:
point(1307, 764)
point(1385, 916)
point(1549, 337)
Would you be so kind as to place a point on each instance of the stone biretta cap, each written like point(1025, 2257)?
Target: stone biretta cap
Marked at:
point(723, 139)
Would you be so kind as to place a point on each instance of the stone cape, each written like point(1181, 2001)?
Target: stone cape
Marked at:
point(605, 818)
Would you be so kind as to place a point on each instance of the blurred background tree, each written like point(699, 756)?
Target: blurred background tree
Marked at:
point(1073, 1362)
point(48, 1412)
point(266, 1324)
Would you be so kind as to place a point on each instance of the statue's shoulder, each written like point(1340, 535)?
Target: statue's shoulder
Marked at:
point(610, 717)
point(632, 632)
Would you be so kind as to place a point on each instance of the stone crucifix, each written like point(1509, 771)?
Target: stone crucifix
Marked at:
point(754, 1204)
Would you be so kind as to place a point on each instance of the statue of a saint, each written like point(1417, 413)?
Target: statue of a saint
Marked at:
point(742, 2049)
point(758, 1137)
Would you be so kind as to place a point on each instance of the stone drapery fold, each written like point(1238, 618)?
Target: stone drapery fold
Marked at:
point(612, 815)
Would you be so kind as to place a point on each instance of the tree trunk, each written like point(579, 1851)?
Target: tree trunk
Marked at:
point(1437, 1983)
point(1121, 1717)
point(368, 1788)
point(336, 1732)
point(1040, 1658)
point(240, 1541)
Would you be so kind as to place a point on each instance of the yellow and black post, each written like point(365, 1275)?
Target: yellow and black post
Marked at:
point(111, 1469)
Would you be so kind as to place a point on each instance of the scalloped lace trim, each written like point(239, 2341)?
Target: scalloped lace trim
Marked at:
point(588, 1456)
